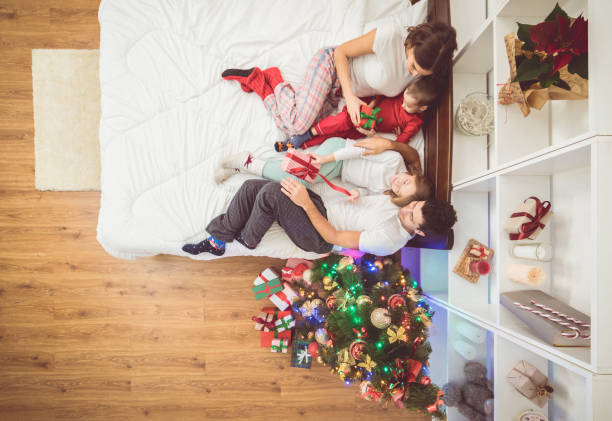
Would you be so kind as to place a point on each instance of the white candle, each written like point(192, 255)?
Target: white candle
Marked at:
point(464, 349)
point(471, 332)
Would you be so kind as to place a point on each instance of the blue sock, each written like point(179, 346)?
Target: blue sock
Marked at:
point(216, 243)
point(299, 139)
point(210, 245)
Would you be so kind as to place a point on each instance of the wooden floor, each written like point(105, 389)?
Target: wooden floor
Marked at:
point(86, 336)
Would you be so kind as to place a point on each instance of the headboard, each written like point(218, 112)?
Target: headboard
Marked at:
point(438, 127)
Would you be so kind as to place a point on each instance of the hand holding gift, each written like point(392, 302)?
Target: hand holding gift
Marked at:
point(368, 117)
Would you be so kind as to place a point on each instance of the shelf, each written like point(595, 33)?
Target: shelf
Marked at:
point(471, 73)
point(549, 153)
point(516, 135)
point(466, 23)
point(569, 400)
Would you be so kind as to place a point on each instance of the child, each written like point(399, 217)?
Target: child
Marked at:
point(402, 115)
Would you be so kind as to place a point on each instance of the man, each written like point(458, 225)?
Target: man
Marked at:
point(373, 224)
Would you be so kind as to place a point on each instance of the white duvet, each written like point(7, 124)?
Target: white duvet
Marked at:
point(168, 117)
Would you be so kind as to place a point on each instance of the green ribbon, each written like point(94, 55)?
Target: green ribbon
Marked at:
point(371, 118)
point(280, 347)
point(267, 288)
point(283, 323)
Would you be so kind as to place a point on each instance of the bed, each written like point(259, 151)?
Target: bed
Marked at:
point(168, 118)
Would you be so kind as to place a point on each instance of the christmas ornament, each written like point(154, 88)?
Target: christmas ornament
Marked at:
point(346, 360)
point(397, 334)
point(356, 348)
point(368, 363)
point(421, 315)
point(344, 262)
point(330, 302)
point(309, 308)
point(329, 283)
point(362, 299)
point(321, 336)
point(395, 301)
point(313, 349)
point(380, 318)
point(367, 391)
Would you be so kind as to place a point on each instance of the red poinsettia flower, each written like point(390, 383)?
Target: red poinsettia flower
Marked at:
point(561, 40)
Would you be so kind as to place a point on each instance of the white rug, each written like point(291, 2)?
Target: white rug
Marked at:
point(66, 119)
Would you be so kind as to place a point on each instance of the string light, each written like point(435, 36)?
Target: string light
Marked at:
point(379, 345)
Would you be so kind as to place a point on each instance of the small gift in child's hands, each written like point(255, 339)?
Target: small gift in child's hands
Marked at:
point(528, 219)
point(531, 383)
point(368, 117)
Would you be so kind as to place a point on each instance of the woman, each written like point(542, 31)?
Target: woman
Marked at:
point(381, 62)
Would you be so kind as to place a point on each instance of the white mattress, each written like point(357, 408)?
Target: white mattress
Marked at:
point(168, 117)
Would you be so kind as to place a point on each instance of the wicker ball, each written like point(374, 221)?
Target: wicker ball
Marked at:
point(380, 318)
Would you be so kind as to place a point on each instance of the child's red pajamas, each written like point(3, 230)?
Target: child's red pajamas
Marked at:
point(391, 112)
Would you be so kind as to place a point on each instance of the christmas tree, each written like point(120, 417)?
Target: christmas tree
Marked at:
point(369, 324)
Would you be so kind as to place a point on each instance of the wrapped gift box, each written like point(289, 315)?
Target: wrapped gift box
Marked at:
point(528, 219)
point(267, 337)
point(266, 284)
point(368, 117)
point(300, 357)
point(284, 323)
point(264, 321)
point(279, 345)
point(284, 298)
point(300, 165)
point(531, 383)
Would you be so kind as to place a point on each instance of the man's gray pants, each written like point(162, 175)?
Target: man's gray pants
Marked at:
point(260, 203)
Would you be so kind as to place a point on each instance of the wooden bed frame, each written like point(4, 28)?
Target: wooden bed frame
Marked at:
point(438, 127)
point(438, 134)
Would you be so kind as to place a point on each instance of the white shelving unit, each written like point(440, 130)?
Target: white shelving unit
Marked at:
point(577, 391)
point(561, 153)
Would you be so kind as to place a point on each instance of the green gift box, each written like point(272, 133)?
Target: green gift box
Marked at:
point(266, 284)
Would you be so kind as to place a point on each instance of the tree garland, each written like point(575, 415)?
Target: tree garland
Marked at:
point(370, 324)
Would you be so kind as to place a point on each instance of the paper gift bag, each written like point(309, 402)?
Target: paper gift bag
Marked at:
point(536, 96)
point(528, 219)
point(531, 383)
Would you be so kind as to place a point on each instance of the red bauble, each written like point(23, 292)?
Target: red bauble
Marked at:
point(395, 301)
point(356, 348)
point(313, 349)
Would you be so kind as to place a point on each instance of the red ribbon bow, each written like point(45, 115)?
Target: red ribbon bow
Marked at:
point(269, 325)
point(528, 228)
point(437, 404)
point(308, 169)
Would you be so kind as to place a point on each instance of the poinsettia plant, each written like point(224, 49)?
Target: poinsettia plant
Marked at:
point(549, 46)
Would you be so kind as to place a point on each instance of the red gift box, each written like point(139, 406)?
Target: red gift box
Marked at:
point(267, 337)
point(300, 165)
point(368, 117)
